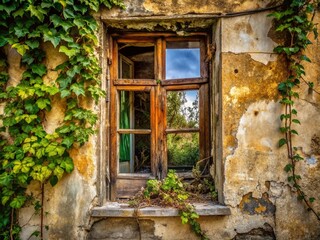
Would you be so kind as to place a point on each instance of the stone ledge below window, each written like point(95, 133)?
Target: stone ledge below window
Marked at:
point(114, 209)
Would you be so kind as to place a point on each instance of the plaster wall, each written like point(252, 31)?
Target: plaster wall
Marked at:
point(250, 170)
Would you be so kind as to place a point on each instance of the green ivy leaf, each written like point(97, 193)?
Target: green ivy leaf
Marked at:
point(312, 199)
point(65, 93)
point(37, 11)
point(69, 52)
point(78, 89)
point(5, 179)
point(68, 141)
point(21, 48)
point(22, 178)
point(59, 22)
point(58, 171)
point(42, 103)
point(40, 152)
point(39, 69)
point(5, 199)
point(296, 121)
point(31, 107)
point(68, 13)
point(60, 150)
point(33, 44)
point(52, 36)
point(18, 202)
point(67, 165)
point(305, 58)
point(288, 167)
point(282, 142)
point(19, 13)
point(53, 180)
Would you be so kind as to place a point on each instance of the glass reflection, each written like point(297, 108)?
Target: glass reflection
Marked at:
point(183, 109)
point(183, 151)
point(182, 60)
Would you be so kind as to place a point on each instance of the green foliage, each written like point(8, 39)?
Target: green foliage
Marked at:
point(27, 152)
point(295, 19)
point(171, 192)
point(183, 149)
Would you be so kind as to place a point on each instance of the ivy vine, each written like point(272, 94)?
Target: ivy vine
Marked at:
point(295, 19)
point(28, 153)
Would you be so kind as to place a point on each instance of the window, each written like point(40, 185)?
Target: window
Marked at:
point(159, 114)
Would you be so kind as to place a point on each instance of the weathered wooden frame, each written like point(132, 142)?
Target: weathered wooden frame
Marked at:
point(124, 185)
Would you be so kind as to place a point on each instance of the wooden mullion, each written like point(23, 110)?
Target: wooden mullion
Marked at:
point(163, 114)
point(135, 40)
point(134, 131)
point(153, 136)
point(153, 35)
point(183, 130)
point(135, 176)
point(184, 81)
point(134, 82)
point(113, 122)
point(203, 62)
point(159, 120)
point(134, 88)
point(182, 87)
point(204, 122)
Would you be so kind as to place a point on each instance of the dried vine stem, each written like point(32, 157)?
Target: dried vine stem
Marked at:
point(294, 19)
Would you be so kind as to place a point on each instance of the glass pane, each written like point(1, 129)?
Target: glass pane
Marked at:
point(136, 61)
point(182, 60)
point(134, 153)
point(183, 151)
point(183, 109)
point(134, 110)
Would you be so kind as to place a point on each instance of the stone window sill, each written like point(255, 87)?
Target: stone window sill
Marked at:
point(114, 209)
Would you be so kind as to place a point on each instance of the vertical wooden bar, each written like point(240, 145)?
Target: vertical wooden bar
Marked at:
point(204, 121)
point(153, 127)
point(163, 115)
point(113, 122)
point(203, 56)
point(159, 112)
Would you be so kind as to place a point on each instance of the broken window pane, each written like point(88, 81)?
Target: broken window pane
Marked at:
point(134, 110)
point(183, 151)
point(134, 153)
point(136, 61)
point(182, 60)
point(183, 109)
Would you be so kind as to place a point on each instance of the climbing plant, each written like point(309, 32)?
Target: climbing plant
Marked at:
point(172, 192)
point(28, 152)
point(295, 19)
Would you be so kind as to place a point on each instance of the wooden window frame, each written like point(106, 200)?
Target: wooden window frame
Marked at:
point(124, 185)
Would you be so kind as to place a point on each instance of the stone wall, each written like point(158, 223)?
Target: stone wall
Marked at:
point(249, 165)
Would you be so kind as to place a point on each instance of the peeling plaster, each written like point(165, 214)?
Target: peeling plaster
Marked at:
point(245, 81)
point(251, 205)
point(243, 35)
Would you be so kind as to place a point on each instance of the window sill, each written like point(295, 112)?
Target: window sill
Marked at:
point(114, 209)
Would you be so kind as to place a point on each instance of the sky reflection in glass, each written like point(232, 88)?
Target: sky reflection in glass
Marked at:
point(182, 63)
